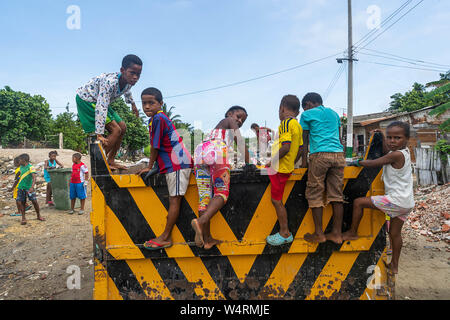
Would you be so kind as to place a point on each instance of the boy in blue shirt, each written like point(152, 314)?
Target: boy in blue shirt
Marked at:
point(326, 165)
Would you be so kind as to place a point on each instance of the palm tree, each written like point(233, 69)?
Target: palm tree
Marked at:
point(175, 118)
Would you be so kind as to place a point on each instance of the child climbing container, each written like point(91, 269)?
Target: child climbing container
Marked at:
point(127, 211)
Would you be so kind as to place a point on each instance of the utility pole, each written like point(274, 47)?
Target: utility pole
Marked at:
point(350, 59)
point(349, 147)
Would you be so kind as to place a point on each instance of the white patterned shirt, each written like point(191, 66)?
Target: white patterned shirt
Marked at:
point(102, 90)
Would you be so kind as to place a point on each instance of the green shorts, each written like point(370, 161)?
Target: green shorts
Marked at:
point(86, 113)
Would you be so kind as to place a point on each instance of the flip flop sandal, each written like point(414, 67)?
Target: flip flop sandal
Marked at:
point(15, 215)
point(277, 240)
point(149, 245)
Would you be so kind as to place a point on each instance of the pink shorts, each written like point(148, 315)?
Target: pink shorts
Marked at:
point(392, 210)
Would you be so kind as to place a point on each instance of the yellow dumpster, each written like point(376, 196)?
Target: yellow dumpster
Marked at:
point(127, 211)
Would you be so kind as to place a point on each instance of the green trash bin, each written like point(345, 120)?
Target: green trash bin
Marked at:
point(60, 179)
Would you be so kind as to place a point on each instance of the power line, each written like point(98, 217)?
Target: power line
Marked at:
point(333, 82)
point(253, 79)
point(406, 59)
point(391, 16)
point(399, 66)
point(392, 24)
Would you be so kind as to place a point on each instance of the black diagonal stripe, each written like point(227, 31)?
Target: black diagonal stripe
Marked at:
point(356, 281)
point(124, 207)
point(124, 279)
point(218, 266)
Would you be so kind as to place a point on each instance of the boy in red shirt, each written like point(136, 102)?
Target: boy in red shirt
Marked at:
point(78, 181)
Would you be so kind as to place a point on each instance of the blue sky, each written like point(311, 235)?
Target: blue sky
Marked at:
point(190, 45)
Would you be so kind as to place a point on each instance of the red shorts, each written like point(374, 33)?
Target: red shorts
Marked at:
point(278, 182)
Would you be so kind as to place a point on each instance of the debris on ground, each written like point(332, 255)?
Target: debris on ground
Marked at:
point(431, 215)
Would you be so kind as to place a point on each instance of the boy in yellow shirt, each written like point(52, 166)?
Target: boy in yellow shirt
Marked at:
point(285, 153)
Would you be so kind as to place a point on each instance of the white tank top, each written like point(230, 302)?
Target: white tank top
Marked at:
point(398, 183)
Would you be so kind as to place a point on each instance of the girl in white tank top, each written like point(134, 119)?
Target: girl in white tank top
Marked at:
point(398, 200)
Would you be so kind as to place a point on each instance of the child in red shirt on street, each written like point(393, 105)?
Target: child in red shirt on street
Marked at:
point(78, 182)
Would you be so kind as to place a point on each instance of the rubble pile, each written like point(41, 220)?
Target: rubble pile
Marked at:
point(431, 215)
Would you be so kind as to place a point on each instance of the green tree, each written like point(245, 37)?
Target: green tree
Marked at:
point(23, 115)
point(175, 118)
point(73, 135)
point(415, 99)
point(136, 136)
point(442, 90)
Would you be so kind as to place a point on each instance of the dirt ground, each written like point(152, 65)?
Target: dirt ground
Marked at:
point(35, 258)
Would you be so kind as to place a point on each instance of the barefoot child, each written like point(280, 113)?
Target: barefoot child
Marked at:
point(285, 152)
point(48, 165)
point(93, 101)
point(212, 171)
point(14, 187)
point(173, 159)
point(78, 181)
point(398, 201)
point(25, 187)
point(326, 165)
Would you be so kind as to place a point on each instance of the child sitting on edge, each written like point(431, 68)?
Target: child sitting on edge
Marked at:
point(326, 165)
point(25, 187)
point(48, 165)
point(398, 201)
point(93, 102)
point(172, 158)
point(285, 153)
point(78, 182)
point(212, 171)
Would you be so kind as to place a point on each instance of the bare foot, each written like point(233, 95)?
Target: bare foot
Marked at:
point(198, 233)
point(211, 243)
point(315, 238)
point(336, 238)
point(41, 218)
point(349, 235)
point(390, 268)
point(23, 222)
point(114, 165)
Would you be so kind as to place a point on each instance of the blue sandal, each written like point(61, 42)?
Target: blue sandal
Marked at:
point(277, 240)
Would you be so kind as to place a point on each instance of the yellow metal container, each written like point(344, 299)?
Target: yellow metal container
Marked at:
point(127, 211)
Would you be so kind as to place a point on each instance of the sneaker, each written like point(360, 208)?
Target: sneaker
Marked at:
point(80, 212)
point(277, 240)
point(71, 212)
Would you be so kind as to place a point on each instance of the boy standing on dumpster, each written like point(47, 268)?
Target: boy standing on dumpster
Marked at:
point(326, 165)
point(78, 182)
point(285, 153)
point(93, 104)
point(172, 158)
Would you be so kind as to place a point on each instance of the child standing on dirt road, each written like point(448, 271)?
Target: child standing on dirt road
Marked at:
point(212, 171)
point(14, 187)
point(173, 159)
point(49, 165)
point(25, 187)
point(326, 165)
point(78, 182)
point(285, 153)
point(398, 201)
point(93, 102)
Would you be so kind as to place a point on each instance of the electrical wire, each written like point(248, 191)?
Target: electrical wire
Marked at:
point(333, 82)
point(390, 26)
point(253, 79)
point(399, 66)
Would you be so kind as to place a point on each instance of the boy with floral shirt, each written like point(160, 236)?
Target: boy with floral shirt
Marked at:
point(94, 98)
